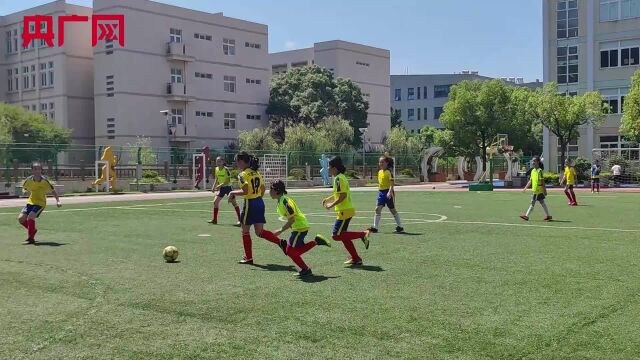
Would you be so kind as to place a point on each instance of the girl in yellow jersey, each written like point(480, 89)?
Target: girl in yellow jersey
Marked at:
point(386, 194)
point(222, 187)
point(341, 201)
point(252, 188)
point(38, 187)
point(539, 190)
point(569, 179)
point(297, 222)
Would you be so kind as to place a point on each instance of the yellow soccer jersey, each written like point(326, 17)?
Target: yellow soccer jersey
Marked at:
point(223, 176)
point(345, 209)
point(288, 208)
point(570, 175)
point(536, 181)
point(38, 190)
point(384, 179)
point(254, 180)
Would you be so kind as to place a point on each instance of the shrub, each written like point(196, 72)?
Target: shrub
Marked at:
point(297, 174)
point(618, 160)
point(152, 177)
point(351, 174)
point(407, 172)
point(149, 174)
point(551, 179)
point(583, 168)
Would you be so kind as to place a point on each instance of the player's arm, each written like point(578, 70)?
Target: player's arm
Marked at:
point(215, 186)
point(286, 226)
point(341, 198)
point(55, 195)
point(527, 186)
point(244, 190)
point(543, 185)
point(392, 190)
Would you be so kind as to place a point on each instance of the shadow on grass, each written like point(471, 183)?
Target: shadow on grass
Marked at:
point(47, 243)
point(316, 278)
point(372, 268)
point(275, 267)
point(560, 221)
point(173, 262)
point(408, 233)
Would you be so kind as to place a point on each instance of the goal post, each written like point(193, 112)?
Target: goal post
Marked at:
point(274, 167)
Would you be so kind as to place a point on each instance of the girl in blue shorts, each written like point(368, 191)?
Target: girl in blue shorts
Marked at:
point(386, 194)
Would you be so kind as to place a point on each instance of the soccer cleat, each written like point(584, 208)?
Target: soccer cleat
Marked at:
point(322, 241)
point(238, 224)
point(245, 261)
point(304, 273)
point(574, 204)
point(524, 217)
point(353, 262)
point(399, 229)
point(283, 246)
point(548, 218)
point(29, 242)
point(373, 230)
point(365, 239)
point(214, 222)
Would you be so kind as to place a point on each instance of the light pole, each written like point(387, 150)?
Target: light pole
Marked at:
point(363, 131)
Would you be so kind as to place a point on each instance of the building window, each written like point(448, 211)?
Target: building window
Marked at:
point(424, 113)
point(202, 36)
point(397, 95)
point(424, 92)
point(567, 57)
point(176, 116)
point(254, 81)
point(411, 95)
point(229, 46)
point(52, 115)
point(362, 63)
point(175, 35)
point(254, 117)
point(176, 76)
point(614, 99)
point(620, 53)
point(612, 10)
point(419, 110)
point(230, 84)
point(9, 80)
point(229, 121)
point(252, 45)
point(411, 114)
point(50, 66)
point(419, 88)
point(203, 75)
point(43, 30)
point(567, 19)
point(437, 111)
point(440, 91)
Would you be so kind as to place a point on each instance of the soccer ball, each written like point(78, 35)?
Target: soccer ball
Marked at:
point(170, 253)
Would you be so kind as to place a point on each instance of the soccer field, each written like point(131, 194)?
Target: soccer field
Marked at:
point(470, 280)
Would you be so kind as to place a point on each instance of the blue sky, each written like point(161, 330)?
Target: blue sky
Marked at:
point(495, 37)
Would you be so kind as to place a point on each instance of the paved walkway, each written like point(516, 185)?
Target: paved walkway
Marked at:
point(71, 200)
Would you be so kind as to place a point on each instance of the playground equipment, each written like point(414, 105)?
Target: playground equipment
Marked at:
point(324, 170)
point(108, 175)
point(200, 161)
point(429, 161)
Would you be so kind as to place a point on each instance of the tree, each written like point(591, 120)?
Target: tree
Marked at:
point(142, 146)
point(257, 139)
point(351, 106)
point(630, 125)
point(308, 95)
point(395, 118)
point(523, 130)
point(564, 115)
point(476, 113)
point(337, 134)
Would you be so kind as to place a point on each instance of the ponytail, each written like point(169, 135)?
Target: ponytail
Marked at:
point(389, 161)
point(254, 163)
point(336, 162)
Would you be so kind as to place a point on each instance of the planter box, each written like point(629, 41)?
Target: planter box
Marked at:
point(481, 187)
point(437, 177)
point(59, 189)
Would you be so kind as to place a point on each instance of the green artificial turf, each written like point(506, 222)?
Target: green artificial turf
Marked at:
point(481, 284)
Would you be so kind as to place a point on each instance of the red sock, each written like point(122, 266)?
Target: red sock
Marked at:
point(348, 244)
point(349, 235)
point(31, 228)
point(215, 214)
point(593, 186)
point(598, 187)
point(246, 242)
point(294, 254)
point(237, 212)
point(573, 196)
point(269, 236)
point(24, 224)
point(566, 192)
point(308, 246)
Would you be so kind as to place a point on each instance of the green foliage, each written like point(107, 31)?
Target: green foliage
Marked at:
point(143, 147)
point(618, 160)
point(151, 177)
point(336, 135)
point(351, 174)
point(583, 168)
point(297, 174)
point(407, 172)
point(551, 178)
point(257, 139)
point(630, 125)
point(308, 95)
point(564, 115)
point(396, 121)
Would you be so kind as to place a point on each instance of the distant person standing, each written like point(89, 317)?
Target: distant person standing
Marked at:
point(617, 174)
point(595, 177)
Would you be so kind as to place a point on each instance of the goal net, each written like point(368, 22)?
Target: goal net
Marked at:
point(274, 167)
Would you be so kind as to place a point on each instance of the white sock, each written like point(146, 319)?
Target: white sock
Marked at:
point(397, 217)
point(376, 220)
point(544, 207)
point(530, 210)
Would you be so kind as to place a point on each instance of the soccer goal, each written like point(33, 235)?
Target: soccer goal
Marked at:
point(274, 167)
